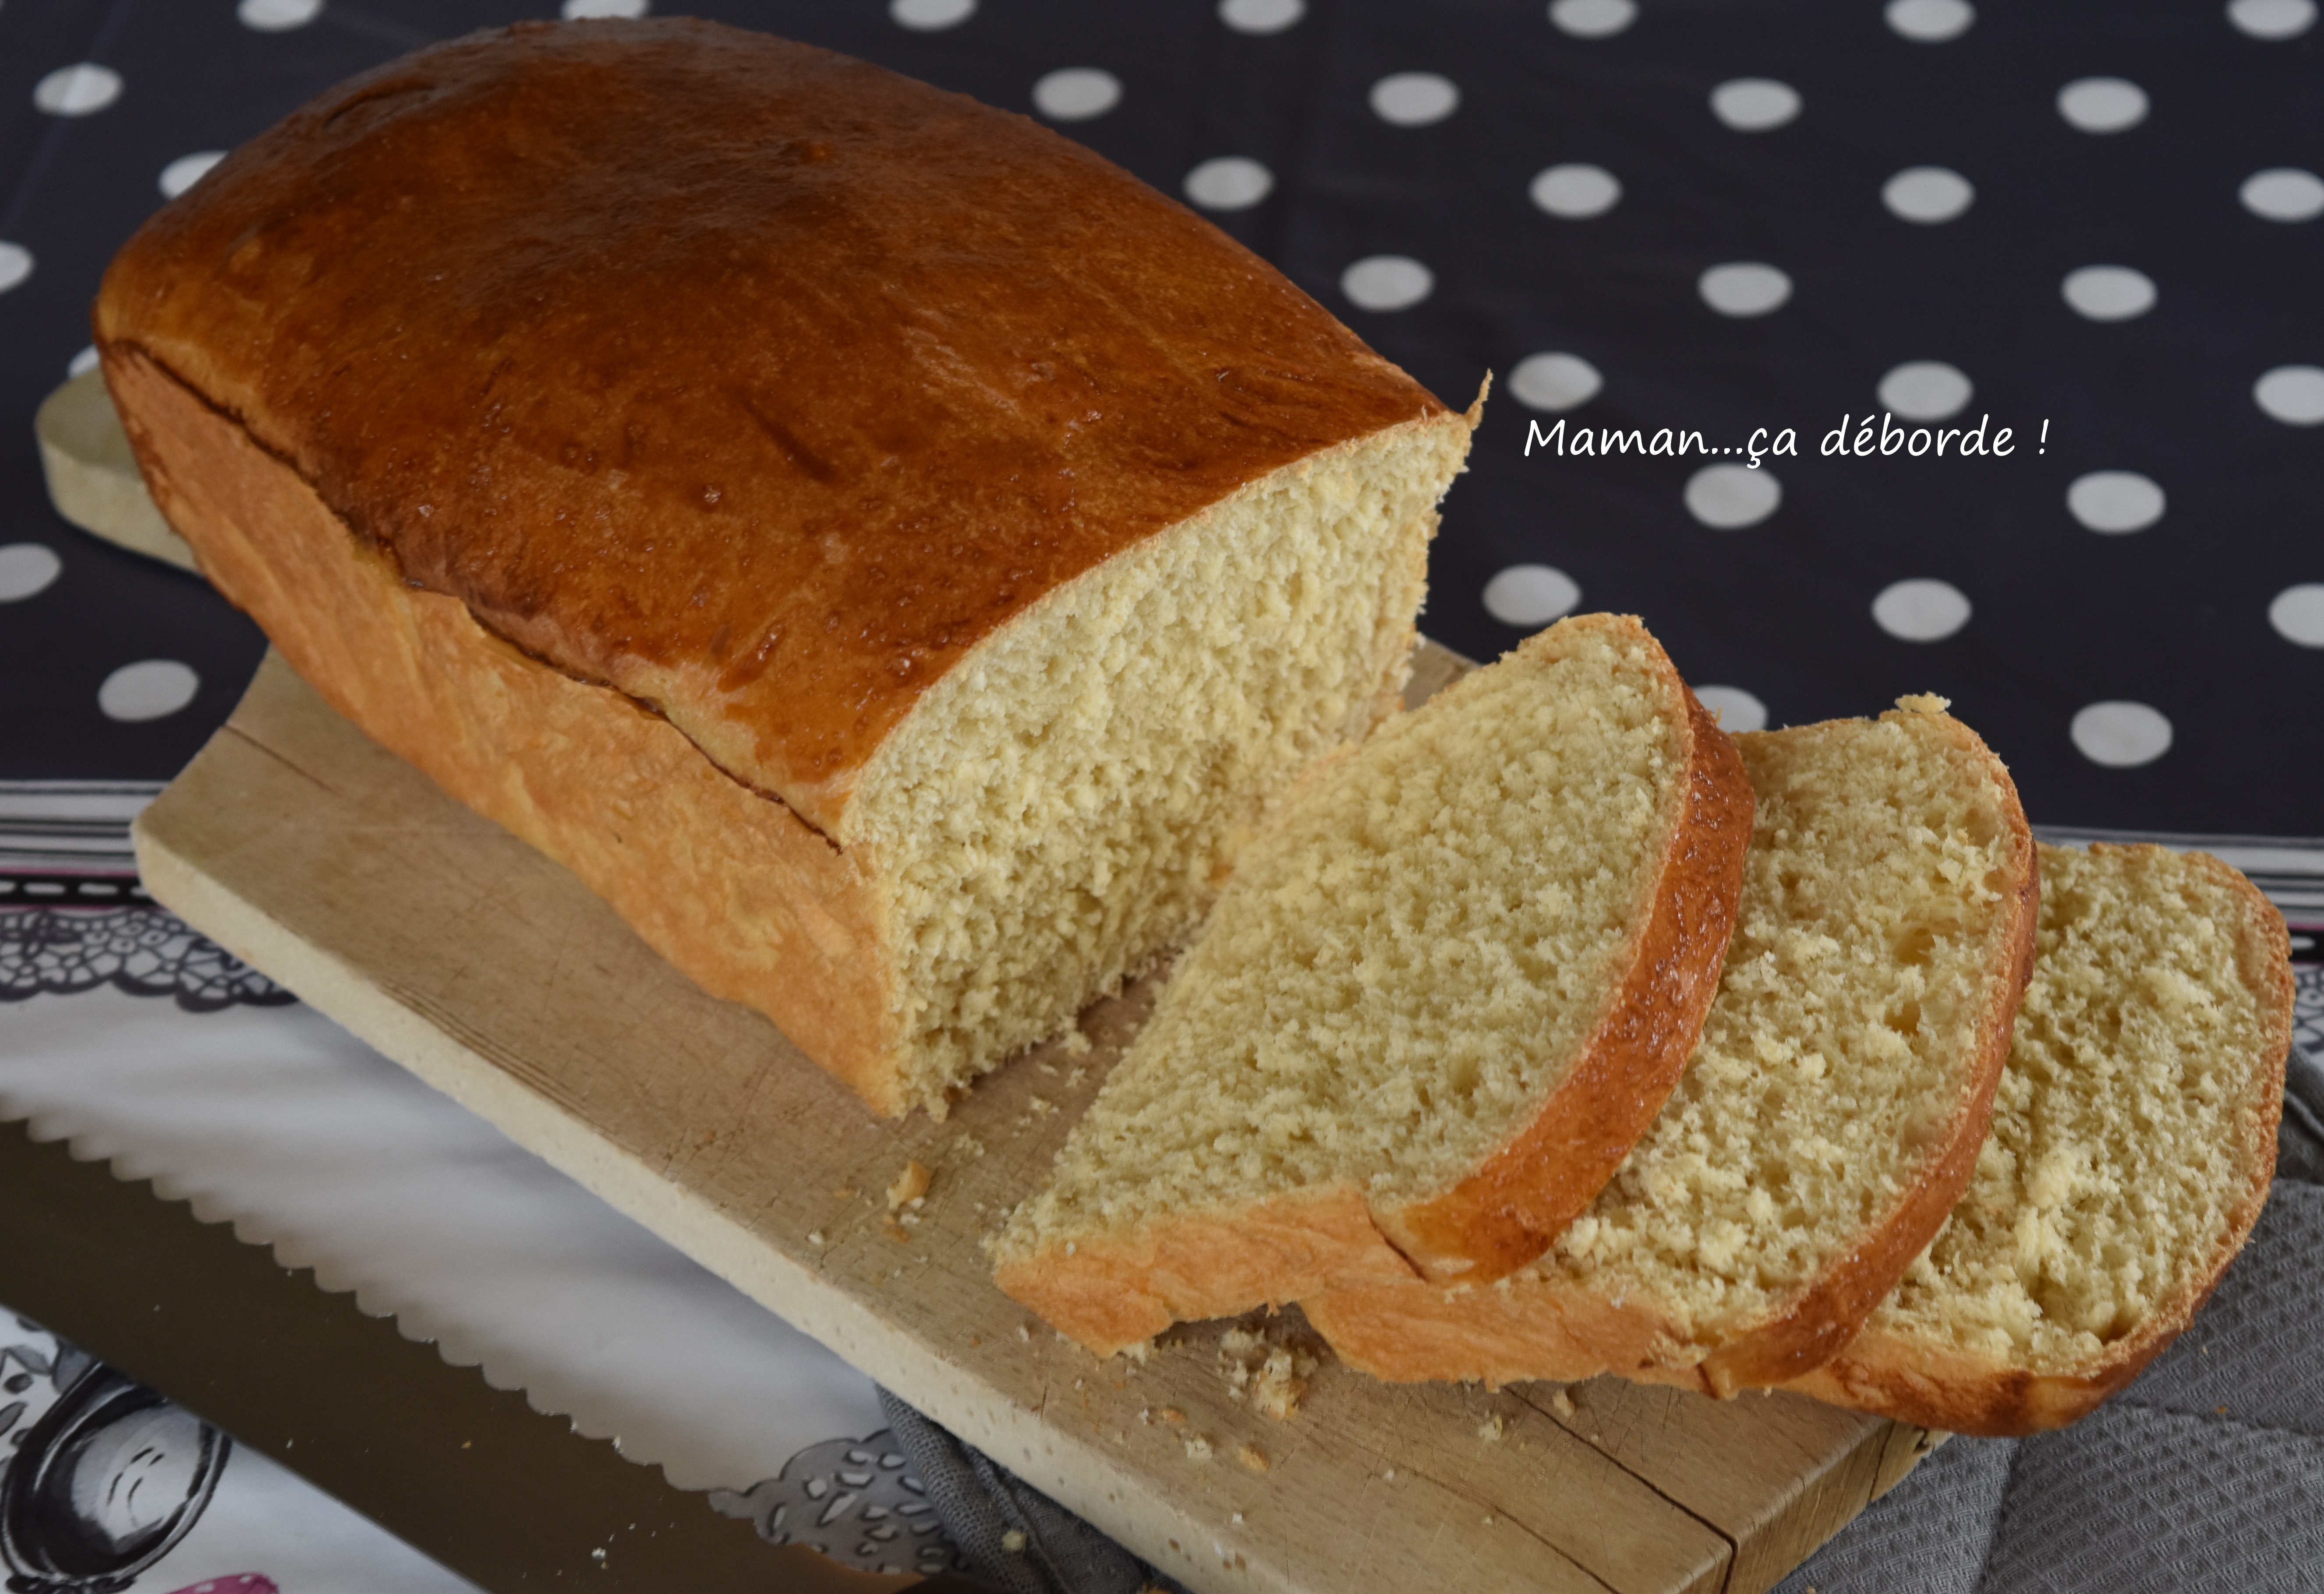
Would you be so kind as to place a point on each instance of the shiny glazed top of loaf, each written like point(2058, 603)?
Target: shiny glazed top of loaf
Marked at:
point(755, 381)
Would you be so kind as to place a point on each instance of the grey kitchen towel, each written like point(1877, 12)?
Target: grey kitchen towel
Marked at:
point(2207, 1473)
point(2300, 1144)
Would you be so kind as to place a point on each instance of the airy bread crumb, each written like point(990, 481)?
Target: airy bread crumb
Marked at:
point(2133, 1138)
point(1830, 1114)
point(1061, 807)
point(1413, 963)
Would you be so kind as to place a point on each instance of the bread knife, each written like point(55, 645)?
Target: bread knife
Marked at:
point(469, 1474)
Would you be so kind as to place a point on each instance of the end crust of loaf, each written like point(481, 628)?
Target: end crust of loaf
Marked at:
point(730, 885)
point(1904, 1367)
point(1109, 1286)
point(576, 770)
point(1002, 650)
point(755, 381)
point(1553, 1322)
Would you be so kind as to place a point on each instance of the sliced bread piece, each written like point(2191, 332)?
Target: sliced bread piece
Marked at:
point(1830, 1120)
point(2134, 1141)
point(1443, 994)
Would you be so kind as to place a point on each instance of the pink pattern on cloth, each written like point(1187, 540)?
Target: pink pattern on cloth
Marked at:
point(248, 1582)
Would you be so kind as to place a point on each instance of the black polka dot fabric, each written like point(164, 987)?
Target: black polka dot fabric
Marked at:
point(1763, 287)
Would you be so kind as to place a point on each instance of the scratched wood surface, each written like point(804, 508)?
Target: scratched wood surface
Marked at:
point(92, 476)
point(495, 976)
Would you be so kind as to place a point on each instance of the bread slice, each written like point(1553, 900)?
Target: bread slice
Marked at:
point(889, 552)
point(2133, 1142)
point(1441, 997)
point(1832, 1114)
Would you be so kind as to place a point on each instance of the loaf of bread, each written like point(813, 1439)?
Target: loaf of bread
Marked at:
point(1441, 996)
point(889, 553)
point(2134, 1141)
point(1830, 1117)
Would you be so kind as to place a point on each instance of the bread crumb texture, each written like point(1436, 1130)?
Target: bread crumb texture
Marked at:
point(2136, 1092)
point(1407, 962)
point(1266, 1367)
point(1878, 916)
point(1060, 807)
point(910, 1187)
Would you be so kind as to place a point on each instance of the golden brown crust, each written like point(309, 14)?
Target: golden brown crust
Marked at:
point(779, 380)
point(1112, 1293)
point(1522, 1197)
point(1541, 1324)
point(727, 884)
point(1915, 1380)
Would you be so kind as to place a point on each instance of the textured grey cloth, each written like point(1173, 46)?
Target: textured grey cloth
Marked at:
point(1053, 1550)
point(2300, 1147)
point(2207, 1473)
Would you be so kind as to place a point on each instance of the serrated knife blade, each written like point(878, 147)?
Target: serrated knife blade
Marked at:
point(470, 1475)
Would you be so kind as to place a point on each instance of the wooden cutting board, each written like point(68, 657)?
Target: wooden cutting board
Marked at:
point(495, 976)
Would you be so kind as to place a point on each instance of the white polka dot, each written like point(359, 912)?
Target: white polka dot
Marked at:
point(1929, 21)
point(1576, 191)
point(1530, 594)
point(575, 11)
point(2284, 193)
point(1077, 94)
point(82, 363)
point(276, 16)
point(1736, 709)
point(2102, 105)
point(2298, 613)
point(1926, 389)
point(150, 690)
point(1744, 288)
point(930, 15)
point(1415, 99)
point(1730, 497)
point(1230, 182)
point(15, 266)
point(2116, 501)
point(186, 171)
point(2121, 735)
point(1387, 282)
point(2292, 394)
point(1555, 381)
point(2108, 293)
point(926, 16)
point(1927, 194)
point(1920, 611)
point(1260, 16)
point(1753, 105)
point(1592, 19)
point(2273, 19)
point(80, 90)
point(25, 568)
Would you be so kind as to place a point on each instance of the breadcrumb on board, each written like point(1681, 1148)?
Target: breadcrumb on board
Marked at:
point(1267, 1369)
point(912, 1187)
